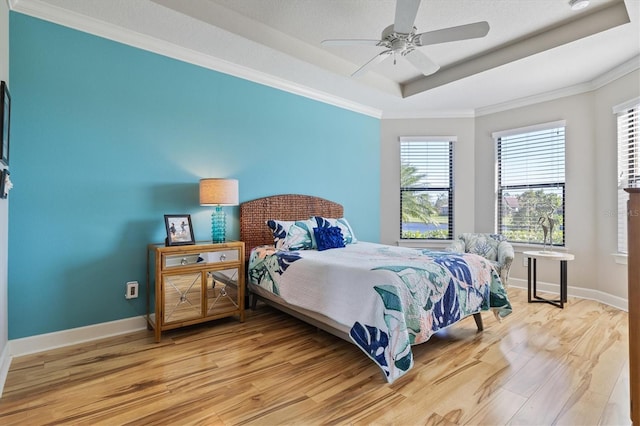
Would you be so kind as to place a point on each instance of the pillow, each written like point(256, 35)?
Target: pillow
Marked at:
point(481, 245)
point(328, 237)
point(292, 235)
point(342, 223)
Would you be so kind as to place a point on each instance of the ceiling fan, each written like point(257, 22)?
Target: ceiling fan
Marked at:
point(400, 39)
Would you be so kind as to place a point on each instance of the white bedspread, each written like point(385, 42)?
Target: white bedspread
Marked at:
point(389, 297)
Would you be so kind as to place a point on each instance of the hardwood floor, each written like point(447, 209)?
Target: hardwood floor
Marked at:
point(541, 365)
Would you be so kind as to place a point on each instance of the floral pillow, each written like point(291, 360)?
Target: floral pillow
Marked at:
point(485, 245)
point(292, 235)
point(342, 223)
point(328, 238)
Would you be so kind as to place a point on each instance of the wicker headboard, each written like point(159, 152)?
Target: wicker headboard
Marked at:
point(254, 214)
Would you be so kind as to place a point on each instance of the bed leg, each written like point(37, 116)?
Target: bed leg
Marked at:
point(254, 301)
point(478, 318)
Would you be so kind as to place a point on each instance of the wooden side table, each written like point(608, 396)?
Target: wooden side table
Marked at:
point(533, 256)
point(190, 284)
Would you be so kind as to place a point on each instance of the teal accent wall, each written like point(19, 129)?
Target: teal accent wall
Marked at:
point(107, 138)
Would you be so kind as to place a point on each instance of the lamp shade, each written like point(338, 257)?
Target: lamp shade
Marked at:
point(218, 192)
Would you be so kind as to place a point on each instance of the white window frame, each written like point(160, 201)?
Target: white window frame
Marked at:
point(500, 188)
point(628, 174)
point(451, 140)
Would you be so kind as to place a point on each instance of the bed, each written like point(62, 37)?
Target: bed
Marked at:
point(382, 298)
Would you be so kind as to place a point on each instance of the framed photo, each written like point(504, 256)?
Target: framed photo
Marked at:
point(5, 117)
point(179, 229)
point(3, 184)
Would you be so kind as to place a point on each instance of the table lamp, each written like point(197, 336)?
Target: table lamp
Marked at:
point(218, 193)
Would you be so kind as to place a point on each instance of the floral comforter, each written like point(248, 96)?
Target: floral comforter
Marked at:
point(388, 297)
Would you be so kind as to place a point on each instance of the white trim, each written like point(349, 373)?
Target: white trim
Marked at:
point(520, 247)
point(73, 336)
point(5, 364)
point(535, 99)
point(113, 32)
point(403, 115)
point(620, 258)
point(428, 139)
point(424, 244)
point(616, 72)
point(578, 292)
point(621, 108)
point(528, 129)
point(92, 26)
point(600, 81)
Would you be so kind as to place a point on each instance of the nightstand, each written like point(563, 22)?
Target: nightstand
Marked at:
point(195, 283)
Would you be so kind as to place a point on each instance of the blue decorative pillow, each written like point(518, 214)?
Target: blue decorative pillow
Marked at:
point(292, 235)
point(342, 223)
point(328, 237)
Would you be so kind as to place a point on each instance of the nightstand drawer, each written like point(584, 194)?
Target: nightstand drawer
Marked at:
point(230, 255)
point(173, 260)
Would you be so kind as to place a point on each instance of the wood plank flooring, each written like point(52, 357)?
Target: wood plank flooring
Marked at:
point(541, 365)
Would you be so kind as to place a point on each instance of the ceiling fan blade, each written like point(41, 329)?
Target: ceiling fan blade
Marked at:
point(406, 11)
point(461, 32)
point(422, 62)
point(347, 42)
point(373, 61)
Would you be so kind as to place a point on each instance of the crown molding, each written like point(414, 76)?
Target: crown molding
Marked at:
point(122, 35)
point(64, 17)
point(399, 115)
point(535, 99)
point(617, 72)
point(598, 82)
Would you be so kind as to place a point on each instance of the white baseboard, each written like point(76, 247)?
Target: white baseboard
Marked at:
point(582, 293)
point(5, 363)
point(58, 339)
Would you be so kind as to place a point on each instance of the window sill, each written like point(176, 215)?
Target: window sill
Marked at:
point(620, 258)
point(424, 243)
point(520, 247)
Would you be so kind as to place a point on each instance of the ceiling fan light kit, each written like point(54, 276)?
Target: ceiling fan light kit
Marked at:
point(578, 4)
point(400, 39)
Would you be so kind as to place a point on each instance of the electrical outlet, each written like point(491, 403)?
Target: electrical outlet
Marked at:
point(132, 290)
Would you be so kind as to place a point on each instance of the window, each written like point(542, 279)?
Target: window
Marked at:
point(531, 183)
point(628, 162)
point(426, 187)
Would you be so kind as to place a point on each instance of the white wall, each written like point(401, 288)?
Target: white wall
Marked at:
point(590, 180)
point(611, 276)
point(4, 206)
point(591, 183)
point(390, 131)
point(580, 164)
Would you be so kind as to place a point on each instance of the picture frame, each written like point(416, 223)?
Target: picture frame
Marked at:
point(5, 121)
point(4, 191)
point(179, 230)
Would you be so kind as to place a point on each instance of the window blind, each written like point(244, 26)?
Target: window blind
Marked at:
point(531, 183)
point(628, 165)
point(426, 187)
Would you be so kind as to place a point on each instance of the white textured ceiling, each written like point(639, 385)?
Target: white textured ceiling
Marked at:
point(534, 47)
